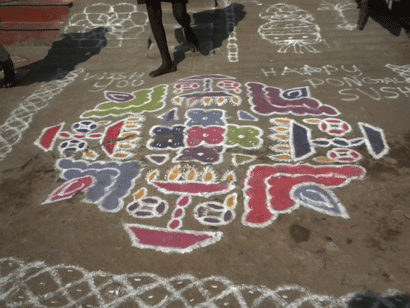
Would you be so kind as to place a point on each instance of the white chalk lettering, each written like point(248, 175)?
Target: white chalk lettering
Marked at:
point(291, 70)
point(315, 82)
point(405, 92)
point(377, 96)
point(355, 70)
point(325, 69)
point(346, 92)
point(266, 73)
point(119, 80)
point(329, 69)
point(88, 76)
point(350, 80)
point(390, 90)
point(369, 80)
point(335, 82)
point(353, 94)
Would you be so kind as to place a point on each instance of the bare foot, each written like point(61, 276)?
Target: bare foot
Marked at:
point(163, 69)
point(193, 47)
point(10, 84)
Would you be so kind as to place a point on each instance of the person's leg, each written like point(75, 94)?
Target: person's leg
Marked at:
point(9, 74)
point(155, 17)
point(182, 17)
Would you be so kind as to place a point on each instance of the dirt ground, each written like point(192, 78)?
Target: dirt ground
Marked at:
point(180, 196)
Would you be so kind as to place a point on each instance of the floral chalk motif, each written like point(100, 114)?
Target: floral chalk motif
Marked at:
point(165, 138)
point(205, 118)
point(210, 135)
point(248, 137)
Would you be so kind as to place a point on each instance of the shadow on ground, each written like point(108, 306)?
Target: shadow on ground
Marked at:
point(64, 56)
point(369, 299)
point(393, 20)
point(212, 27)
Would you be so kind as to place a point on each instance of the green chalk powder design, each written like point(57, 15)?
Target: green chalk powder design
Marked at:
point(148, 100)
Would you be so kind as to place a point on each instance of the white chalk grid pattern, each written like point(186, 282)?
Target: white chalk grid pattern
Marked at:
point(232, 46)
point(12, 130)
point(36, 284)
point(121, 22)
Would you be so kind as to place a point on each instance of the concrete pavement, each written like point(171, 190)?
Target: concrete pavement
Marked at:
point(270, 170)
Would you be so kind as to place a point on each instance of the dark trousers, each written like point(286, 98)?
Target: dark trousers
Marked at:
point(7, 65)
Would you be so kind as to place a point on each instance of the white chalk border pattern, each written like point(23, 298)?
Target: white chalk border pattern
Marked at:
point(20, 273)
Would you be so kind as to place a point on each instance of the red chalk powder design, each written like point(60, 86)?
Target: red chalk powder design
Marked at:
point(269, 189)
point(70, 188)
point(290, 127)
point(170, 241)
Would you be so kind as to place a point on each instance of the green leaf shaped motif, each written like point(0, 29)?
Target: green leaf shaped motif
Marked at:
point(147, 100)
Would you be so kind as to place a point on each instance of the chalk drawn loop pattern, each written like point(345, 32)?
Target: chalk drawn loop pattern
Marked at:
point(21, 285)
